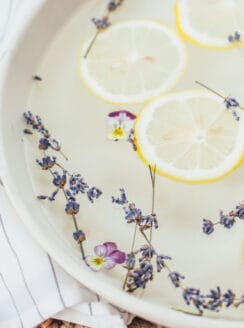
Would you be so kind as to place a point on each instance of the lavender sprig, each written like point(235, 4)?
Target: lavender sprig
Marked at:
point(45, 142)
point(103, 23)
point(230, 103)
point(46, 162)
point(131, 139)
point(132, 214)
point(139, 277)
point(140, 266)
point(71, 185)
point(213, 301)
point(139, 262)
point(225, 220)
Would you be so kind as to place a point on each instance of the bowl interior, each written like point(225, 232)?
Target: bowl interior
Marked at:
point(50, 48)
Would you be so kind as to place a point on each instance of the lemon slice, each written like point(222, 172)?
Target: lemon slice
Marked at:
point(133, 61)
point(209, 23)
point(190, 137)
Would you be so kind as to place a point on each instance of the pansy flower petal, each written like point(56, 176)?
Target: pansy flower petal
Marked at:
point(95, 262)
point(124, 113)
point(110, 247)
point(100, 250)
point(118, 257)
point(107, 256)
point(120, 122)
point(109, 263)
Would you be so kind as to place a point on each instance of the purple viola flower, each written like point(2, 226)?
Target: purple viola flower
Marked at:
point(106, 256)
point(226, 220)
point(120, 124)
point(208, 226)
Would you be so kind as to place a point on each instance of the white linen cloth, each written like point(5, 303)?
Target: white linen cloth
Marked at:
point(32, 286)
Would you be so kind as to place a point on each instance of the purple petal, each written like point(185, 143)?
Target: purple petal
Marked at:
point(119, 112)
point(109, 263)
point(118, 257)
point(110, 247)
point(100, 250)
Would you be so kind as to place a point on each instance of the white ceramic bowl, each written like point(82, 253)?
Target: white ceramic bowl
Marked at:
point(35, 32)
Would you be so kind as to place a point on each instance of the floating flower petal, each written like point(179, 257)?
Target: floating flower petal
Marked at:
point(120, 124)
point(107, 256)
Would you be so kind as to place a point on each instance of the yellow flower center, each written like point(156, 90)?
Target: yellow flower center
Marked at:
point(118, 132)
point(98, 261)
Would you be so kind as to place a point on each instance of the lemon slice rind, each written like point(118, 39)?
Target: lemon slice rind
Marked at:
point(146, 150)
point(200, 38)
point(171, 69)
